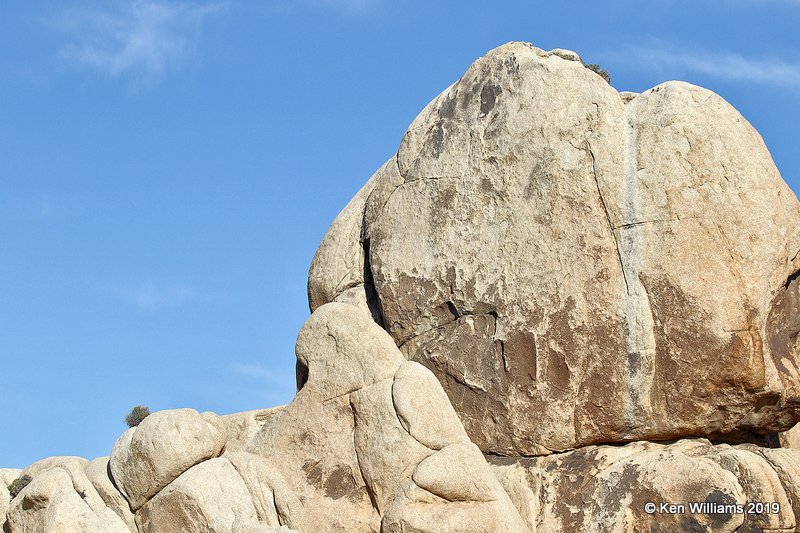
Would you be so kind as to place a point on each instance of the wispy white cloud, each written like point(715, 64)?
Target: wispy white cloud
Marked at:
point(723, 65)
point(142, 38)
point(39, 208)
point(148, 295)
point(342, 7)
point(355, 7)
point(262, 373)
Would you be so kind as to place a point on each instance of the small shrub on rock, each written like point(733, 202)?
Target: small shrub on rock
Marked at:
point(597, 69)
point(137, 414)
point(18, 484)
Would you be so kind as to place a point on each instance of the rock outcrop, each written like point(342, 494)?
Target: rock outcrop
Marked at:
point(578, 267)
point(692, 484)
point(545, 271)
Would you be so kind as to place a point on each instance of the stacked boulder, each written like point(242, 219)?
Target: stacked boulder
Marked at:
point(556, 308)
point(370, 443)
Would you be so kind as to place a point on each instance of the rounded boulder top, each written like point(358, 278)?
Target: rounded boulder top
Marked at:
point(578, 265)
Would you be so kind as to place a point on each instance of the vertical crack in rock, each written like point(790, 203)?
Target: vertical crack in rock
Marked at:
point(608, 216)
point(373, 497)
point(639, 333)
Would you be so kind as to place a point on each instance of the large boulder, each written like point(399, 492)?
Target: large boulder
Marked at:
point(578, 266)
point(210, 497)
point(98, 474)
point(371, 442)
point(61, 498)
point(148, 457)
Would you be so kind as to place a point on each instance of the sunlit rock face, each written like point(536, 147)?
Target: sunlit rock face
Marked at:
point(578, 266)
point(546, 269)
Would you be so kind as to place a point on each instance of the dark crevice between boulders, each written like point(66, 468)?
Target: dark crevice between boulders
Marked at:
point(301, 374)
point(117, 486)
point(733, 438)
point(791, 278)
point(373, 300)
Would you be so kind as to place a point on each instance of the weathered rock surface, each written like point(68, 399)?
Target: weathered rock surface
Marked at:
point(238, 429)
point(8, 475)
point(576, 266)
point(370, 443)
point(5, 498)
point(790, 438)
point(210, 496)
point(361, 427)
point(148, 457)
point(605, 488)
point(98, 473)
point(61, 498)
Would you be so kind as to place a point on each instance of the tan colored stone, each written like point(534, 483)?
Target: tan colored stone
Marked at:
point(7, 475)
point(786, 464)
point(337, 270)
point(424, 409)
point(790, 438)
point(148, 457)
point(569, 55)
point(534, 243)
point(210, 497)
point(238, 429)
point(274, 501)
point(437, 475)
point(5, 498)
point(53, 502)
point(760, 483)
point(68, 462)
point(387, 453)
point(310, 442)
point(606, 488)
point(76, 468)
point(98, 474)
point(364, 421)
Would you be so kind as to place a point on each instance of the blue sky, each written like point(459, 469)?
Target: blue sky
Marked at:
point(167, 170)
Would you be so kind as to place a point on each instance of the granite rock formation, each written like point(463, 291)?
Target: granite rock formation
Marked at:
point(556, 306)
point(577, 266)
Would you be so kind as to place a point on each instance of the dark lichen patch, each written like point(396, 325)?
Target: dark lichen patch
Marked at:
point(522, 354)
point(338, 482)
point(489, 96)
point(721, 500)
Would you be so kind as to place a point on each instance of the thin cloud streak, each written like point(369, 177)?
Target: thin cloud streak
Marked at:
point(150, 296)
point(725, 65)
point(355, 7)
point(142, 38)
point(259, 372)
point(37, 209)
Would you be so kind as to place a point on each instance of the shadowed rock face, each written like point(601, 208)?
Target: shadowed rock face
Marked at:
point(576, 267)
